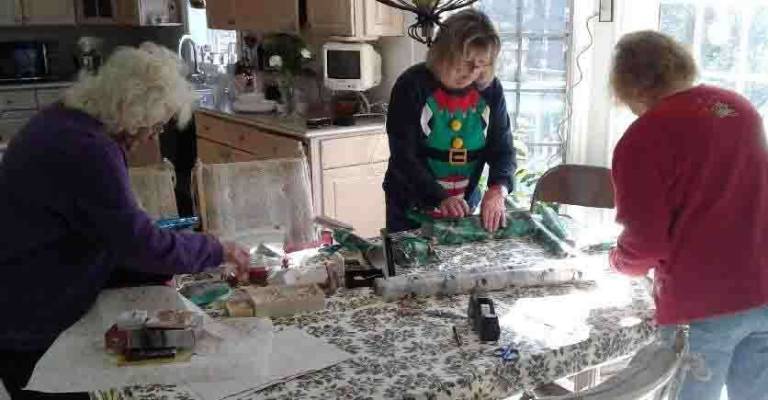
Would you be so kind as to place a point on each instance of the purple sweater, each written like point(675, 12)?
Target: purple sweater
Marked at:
point(68, 216)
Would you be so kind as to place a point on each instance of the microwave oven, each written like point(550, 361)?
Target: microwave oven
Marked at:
point(350, 66)
point(23, 60)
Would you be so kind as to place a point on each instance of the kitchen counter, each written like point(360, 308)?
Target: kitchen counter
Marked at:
point(292, 126)
point(346, 163)
point(35, 85)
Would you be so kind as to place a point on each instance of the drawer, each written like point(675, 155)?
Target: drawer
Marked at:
point(356, 150)
point(214, 153)
point(18, 100)
point(260, 144)
point(48, 96)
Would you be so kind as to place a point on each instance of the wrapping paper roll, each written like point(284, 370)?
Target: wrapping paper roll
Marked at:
point(443, 283)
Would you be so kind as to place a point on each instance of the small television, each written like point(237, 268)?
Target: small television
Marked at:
point(350, 66)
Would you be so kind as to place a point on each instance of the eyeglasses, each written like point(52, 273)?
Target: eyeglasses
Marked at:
point(471, 66)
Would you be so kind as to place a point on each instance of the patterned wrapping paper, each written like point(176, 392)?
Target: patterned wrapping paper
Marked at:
point(406, 349)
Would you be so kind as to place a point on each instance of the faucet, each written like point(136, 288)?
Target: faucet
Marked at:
point(195, 74)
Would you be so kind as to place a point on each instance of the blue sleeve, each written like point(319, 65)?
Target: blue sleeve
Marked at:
point(408, 172)
point(500, 151)
point(106, 212)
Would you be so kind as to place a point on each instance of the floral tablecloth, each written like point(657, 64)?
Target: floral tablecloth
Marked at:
point(407, 350)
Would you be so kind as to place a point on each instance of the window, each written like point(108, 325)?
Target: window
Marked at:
point(219, 46)
point(729, 41)
point(532, 67)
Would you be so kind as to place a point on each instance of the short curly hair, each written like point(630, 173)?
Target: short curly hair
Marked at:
point(649, 63)
point(135, 88)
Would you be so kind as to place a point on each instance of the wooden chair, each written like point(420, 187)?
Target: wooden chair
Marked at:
point(253, 201)
point(153, 187)
point(579, 185)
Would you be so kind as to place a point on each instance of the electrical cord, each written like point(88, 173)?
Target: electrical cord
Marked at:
point(562, 126)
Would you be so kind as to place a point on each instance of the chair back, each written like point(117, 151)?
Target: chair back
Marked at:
point(580, 185)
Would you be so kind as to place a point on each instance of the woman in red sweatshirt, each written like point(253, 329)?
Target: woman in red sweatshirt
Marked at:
point(691, 180)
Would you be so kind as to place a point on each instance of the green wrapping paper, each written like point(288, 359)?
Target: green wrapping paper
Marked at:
point(456, 231)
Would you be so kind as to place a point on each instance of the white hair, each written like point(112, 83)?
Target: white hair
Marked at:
point(136, 88)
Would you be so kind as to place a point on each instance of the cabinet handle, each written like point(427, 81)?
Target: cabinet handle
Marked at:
point(231, 21)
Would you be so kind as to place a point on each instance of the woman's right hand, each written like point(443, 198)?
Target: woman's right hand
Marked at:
point(454, 207)
point(237, 257)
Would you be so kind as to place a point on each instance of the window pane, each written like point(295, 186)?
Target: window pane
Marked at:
point(544, 62)
point(502, 12)
point(506, 65)
point(721, 39)
point(678, 20)
point(545, 15)
point(719, 82)
point(758, 41)
point(757, 93)
point(540, 115)
point(542, 158)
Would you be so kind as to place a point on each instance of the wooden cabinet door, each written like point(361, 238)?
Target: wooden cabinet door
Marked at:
point(47, 12)
point(331, 17)
point(221, 14)
point(97, 12)
point(10, 12)
point(382, 20)
point(268, 15)
point(354, 195)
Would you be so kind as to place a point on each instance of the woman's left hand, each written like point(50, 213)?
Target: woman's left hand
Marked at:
point(492, 209)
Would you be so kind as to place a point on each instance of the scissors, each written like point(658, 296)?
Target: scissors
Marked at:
point(507, 353)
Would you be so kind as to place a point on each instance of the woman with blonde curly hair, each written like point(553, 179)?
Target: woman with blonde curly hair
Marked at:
point(447, 120)
point(68, 212)
point(691, 181)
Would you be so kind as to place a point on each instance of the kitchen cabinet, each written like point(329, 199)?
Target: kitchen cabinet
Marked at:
point(254, 15)
point(47, 12)
point(37, 12)
point(268, 15)
point(10, 12)
point(18, 106)
point(148, 12)
point(347, 165)
point(220, 14)
point(354, 195)
point(354, 19)
point(97, 11)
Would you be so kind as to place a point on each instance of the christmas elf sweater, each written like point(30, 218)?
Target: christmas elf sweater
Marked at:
point(441, 139)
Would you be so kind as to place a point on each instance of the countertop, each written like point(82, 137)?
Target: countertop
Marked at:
point(292, 126)
point(35, 85)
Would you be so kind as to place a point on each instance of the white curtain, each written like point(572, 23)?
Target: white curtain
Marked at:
point(598, 121)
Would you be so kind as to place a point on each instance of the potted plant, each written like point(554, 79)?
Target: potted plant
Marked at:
point(288, 56)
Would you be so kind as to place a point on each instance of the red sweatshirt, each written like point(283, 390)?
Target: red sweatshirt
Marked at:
point(691, 181)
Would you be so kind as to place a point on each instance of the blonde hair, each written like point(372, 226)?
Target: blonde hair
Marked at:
point(649, 63)
point(136, 88)
point(461, 32)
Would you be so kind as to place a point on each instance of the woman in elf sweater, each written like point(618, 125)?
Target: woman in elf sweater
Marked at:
point(691, 180)
point(448, 119)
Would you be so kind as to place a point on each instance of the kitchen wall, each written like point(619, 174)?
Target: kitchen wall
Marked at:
point(397, 54)
point(63, 39)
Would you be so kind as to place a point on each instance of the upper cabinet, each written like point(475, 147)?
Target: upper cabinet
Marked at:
point(354, 19)
point(10, 12)
point(37, 12)
point(382, 20)
point(148, 12)
point(221, 14)
point(97, 11)
point(254, 15)
point(46, 12)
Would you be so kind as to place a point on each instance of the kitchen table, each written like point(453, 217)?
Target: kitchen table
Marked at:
point(407, 350)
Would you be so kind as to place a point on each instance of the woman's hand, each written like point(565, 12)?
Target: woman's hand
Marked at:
point(492, 209)
point(237, 257)
point(454, 207)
